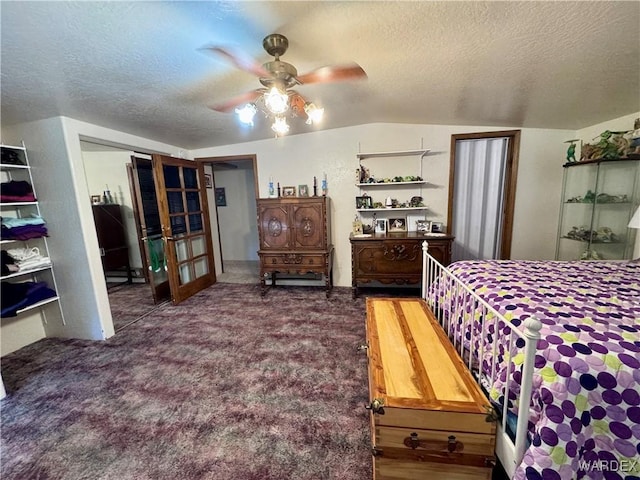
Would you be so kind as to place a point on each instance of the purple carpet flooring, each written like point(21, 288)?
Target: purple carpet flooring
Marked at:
point(227, 386)
point(130, 302)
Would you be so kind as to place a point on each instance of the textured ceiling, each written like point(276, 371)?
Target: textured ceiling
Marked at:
point(136, 67)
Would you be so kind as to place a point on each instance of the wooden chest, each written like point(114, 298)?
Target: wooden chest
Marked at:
point(429, 418)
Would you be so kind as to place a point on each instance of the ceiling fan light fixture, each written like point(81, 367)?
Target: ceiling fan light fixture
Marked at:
point(314, 114)
point(280, 126)
point(276, 101)
point(246, 113)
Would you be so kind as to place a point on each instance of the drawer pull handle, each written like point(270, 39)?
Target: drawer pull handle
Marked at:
point(376, 406)
point(362, 348)
point(451, 445)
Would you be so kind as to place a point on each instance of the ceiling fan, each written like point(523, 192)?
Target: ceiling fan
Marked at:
point(276, 98)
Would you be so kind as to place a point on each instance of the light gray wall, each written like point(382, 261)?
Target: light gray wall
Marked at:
point(238, 227)
point(54, 150)
point(108, 169)
point(74, 263)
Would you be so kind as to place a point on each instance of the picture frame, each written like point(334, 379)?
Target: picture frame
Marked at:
point(289, 191)
point(221, 197)
point(357, 227)
point(303, 190)
point(412, 222)
point(423, 226)
point(437, 227)
point(208, 181)
point(380, 225)
point(364, 202)
point(96, 200)
point(397, 224)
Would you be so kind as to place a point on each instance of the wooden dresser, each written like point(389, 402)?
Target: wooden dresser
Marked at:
point(429, 418)
point(295, 238)
point(394, 258)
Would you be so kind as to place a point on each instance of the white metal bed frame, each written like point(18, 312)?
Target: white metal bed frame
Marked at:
point(508, 451)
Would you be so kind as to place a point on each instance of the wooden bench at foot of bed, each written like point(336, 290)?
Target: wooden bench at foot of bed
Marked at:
point(429, 418)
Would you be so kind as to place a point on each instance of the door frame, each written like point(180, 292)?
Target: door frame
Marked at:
point(228, 159)
point(511, 176)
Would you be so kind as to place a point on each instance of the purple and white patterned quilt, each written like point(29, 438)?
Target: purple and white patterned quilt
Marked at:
point(586, 402)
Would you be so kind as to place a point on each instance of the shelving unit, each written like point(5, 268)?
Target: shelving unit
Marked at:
point(389, 171)
point(9, 172)
point(598, 200)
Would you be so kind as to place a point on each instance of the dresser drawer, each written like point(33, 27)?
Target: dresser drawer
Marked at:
point(388, 257)
point(292, 260)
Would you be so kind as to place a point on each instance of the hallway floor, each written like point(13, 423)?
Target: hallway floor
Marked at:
point(240, 271)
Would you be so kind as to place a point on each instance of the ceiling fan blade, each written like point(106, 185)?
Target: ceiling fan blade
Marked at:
point(229, 105)
point(296, 103)
point(244, 64)
point(338, 73)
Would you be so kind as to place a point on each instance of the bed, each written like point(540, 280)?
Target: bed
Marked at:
point(556, 347)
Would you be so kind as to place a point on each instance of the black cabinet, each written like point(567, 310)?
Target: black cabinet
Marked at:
point(112, 239)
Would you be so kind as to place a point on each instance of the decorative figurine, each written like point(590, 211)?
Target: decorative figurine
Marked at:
point(610, 145)
point(272, 192)
point(571, 151)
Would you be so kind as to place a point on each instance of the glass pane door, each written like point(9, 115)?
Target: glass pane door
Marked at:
point(152, 246)
point(185, 225)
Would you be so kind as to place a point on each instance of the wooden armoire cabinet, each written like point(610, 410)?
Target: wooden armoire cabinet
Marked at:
point(295, 238)
point(112, 239)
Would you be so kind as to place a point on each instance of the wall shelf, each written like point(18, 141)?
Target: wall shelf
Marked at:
point(389, 184)
point(26, 272)
point(397, 209)
point(39, 304)
point(400, 153)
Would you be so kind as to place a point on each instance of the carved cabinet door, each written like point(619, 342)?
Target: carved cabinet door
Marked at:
point(274, 226)
point(308, 221)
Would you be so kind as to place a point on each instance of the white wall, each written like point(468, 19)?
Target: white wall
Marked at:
point(239, 230)
point(55, 151)
point(108, 169)
point(297, 159)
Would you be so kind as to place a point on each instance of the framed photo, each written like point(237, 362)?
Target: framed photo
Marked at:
point(208, 181)
point(412, 222)
point(357, 227)
point(221, 197)
point(96, 200)
point(397, 224)
point(437, 227)
point(381, 225)
point(303, 190)
point(423, 226)
point(364, 202)
point(288, 191)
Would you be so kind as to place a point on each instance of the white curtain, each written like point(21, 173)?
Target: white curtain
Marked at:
point(478, 197)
